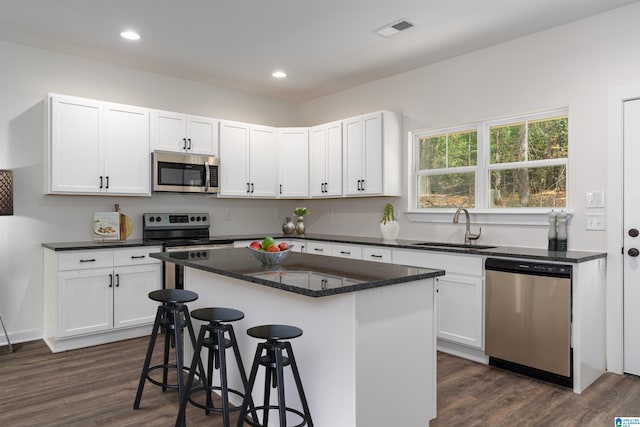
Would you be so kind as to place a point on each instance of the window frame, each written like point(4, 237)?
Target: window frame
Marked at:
point(482, 212)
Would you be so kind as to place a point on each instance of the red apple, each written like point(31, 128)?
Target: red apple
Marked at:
point(273, 248)
point(255, 245)
point(283, 246)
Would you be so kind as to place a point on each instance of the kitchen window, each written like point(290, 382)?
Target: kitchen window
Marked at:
point(513, 165)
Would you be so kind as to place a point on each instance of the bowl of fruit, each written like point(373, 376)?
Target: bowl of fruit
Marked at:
point(269, 252)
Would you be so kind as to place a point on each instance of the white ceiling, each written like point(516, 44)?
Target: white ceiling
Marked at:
point(323, 45)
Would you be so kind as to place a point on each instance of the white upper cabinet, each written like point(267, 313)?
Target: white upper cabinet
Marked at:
point(325, 150)
point(97, 147)
point(371, 155)
point(293, 162)
point(248, 160)
point(183, 133)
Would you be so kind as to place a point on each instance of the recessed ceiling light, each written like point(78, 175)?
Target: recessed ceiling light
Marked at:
point(393, 28)
point(130, 35)
point(279, 74)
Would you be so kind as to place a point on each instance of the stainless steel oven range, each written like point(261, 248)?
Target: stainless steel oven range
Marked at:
point(179, 233)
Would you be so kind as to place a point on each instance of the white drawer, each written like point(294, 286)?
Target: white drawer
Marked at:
point(135, 256)
point(347, 251)
point(81, 260)
point(318, 248)
point(372, 253)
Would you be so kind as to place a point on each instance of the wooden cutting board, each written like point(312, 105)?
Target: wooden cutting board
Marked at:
point(126, 226)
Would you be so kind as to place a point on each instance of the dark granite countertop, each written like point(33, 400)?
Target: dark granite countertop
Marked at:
point(497, 251)
point(304, 274)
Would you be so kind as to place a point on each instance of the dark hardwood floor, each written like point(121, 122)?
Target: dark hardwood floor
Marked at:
point(96, 386)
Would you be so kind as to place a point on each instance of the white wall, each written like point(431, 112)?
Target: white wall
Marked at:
point(574, 66)
point(26, 76)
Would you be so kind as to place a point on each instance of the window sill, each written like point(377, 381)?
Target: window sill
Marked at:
point(530, 217)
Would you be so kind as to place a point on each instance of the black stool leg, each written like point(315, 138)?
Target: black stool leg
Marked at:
point(268, 378)
point(252, 381)
point(223, 375)
point(180, 420)
point(210, 365)
point(280, 379)
point(296, 376)
point(168, 336)
point(147, 360)
point(243, 375)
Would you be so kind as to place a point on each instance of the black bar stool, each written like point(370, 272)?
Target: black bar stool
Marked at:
point(212, 336)
point(274, 362)
point(172, 316)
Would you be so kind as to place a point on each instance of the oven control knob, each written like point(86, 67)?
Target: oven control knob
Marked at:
point(192, 219)
point(633, 252)
point(198, 218)
point(204, 218)
point(634, 232)
point(158, 219)
point(151, 219)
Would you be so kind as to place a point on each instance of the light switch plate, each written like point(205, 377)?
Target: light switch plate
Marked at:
point(594, 199)
point(595, 222)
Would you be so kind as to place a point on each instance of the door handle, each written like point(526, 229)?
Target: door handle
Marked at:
point(117, 280)
point(633, 252)
point(184, 143)
point(252, 188)
point(107, 186)
point(189, 147)
point(111, 280)
point(248, 187)
point(280, 188)
point(101, 186)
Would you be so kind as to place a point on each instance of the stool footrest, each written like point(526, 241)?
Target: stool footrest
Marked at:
point(275, 408)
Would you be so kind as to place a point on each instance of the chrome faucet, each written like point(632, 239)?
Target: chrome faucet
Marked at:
point(468, 236)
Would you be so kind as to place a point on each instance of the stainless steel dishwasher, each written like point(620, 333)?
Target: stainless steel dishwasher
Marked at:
point(528, 318)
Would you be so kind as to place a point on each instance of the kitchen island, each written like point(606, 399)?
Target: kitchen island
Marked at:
point(368, 353)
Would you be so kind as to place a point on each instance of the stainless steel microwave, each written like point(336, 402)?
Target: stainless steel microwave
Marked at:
point(185, 173)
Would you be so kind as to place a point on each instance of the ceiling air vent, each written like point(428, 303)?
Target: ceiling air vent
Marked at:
point(393, 28)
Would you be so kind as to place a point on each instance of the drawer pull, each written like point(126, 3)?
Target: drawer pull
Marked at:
point(345, 253)
point(376, 256)
point(137, 256)
point(318, 249)
point(88, 260)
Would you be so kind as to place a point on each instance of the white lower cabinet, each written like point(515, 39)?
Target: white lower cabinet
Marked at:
point(319, 248)
point(460, 294)
point(377, 254)
point(98, 296)
point(346, 251)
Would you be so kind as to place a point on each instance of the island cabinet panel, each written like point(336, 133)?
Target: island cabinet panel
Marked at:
point(98, 296)
point(368, 381)
point(460, 298)
point(97, 148)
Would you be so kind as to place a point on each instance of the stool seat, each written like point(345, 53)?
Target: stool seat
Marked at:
point(173, 296)
point(217, 314)
point(275, 332)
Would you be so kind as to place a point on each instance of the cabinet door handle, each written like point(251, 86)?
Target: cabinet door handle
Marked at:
point(107, 186)
point(248, 187)
point(88, 260)
point(376, 256)
point(359, 185)
point(101, 182)
point(111, 280)
point(137, 256)
point(252, 188)
point(117, 280)
point(184, 143)
point(362, 186)
point(189, 147)
point(280, 188)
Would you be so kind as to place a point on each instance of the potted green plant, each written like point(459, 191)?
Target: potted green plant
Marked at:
point(389, 226)
point(300, 212)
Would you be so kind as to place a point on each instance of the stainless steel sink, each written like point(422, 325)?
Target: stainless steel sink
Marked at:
point(454, 245)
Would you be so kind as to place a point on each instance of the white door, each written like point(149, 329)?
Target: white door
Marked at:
point(131, 303)
point(353, 156)
point(631, 215)
point(202, 135)
point(372, 130)
point(76, 145)
point(293, 162)
point(333, 186)
point(127, 163)
point(85, 301)
point(234, 159)
point(263, 161)
point(318, 160)
point(168, 131)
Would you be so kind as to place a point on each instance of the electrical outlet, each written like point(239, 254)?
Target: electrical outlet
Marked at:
point(227, 216)
point(595, 221)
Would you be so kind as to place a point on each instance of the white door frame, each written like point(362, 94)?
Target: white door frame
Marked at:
point(615, 258)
